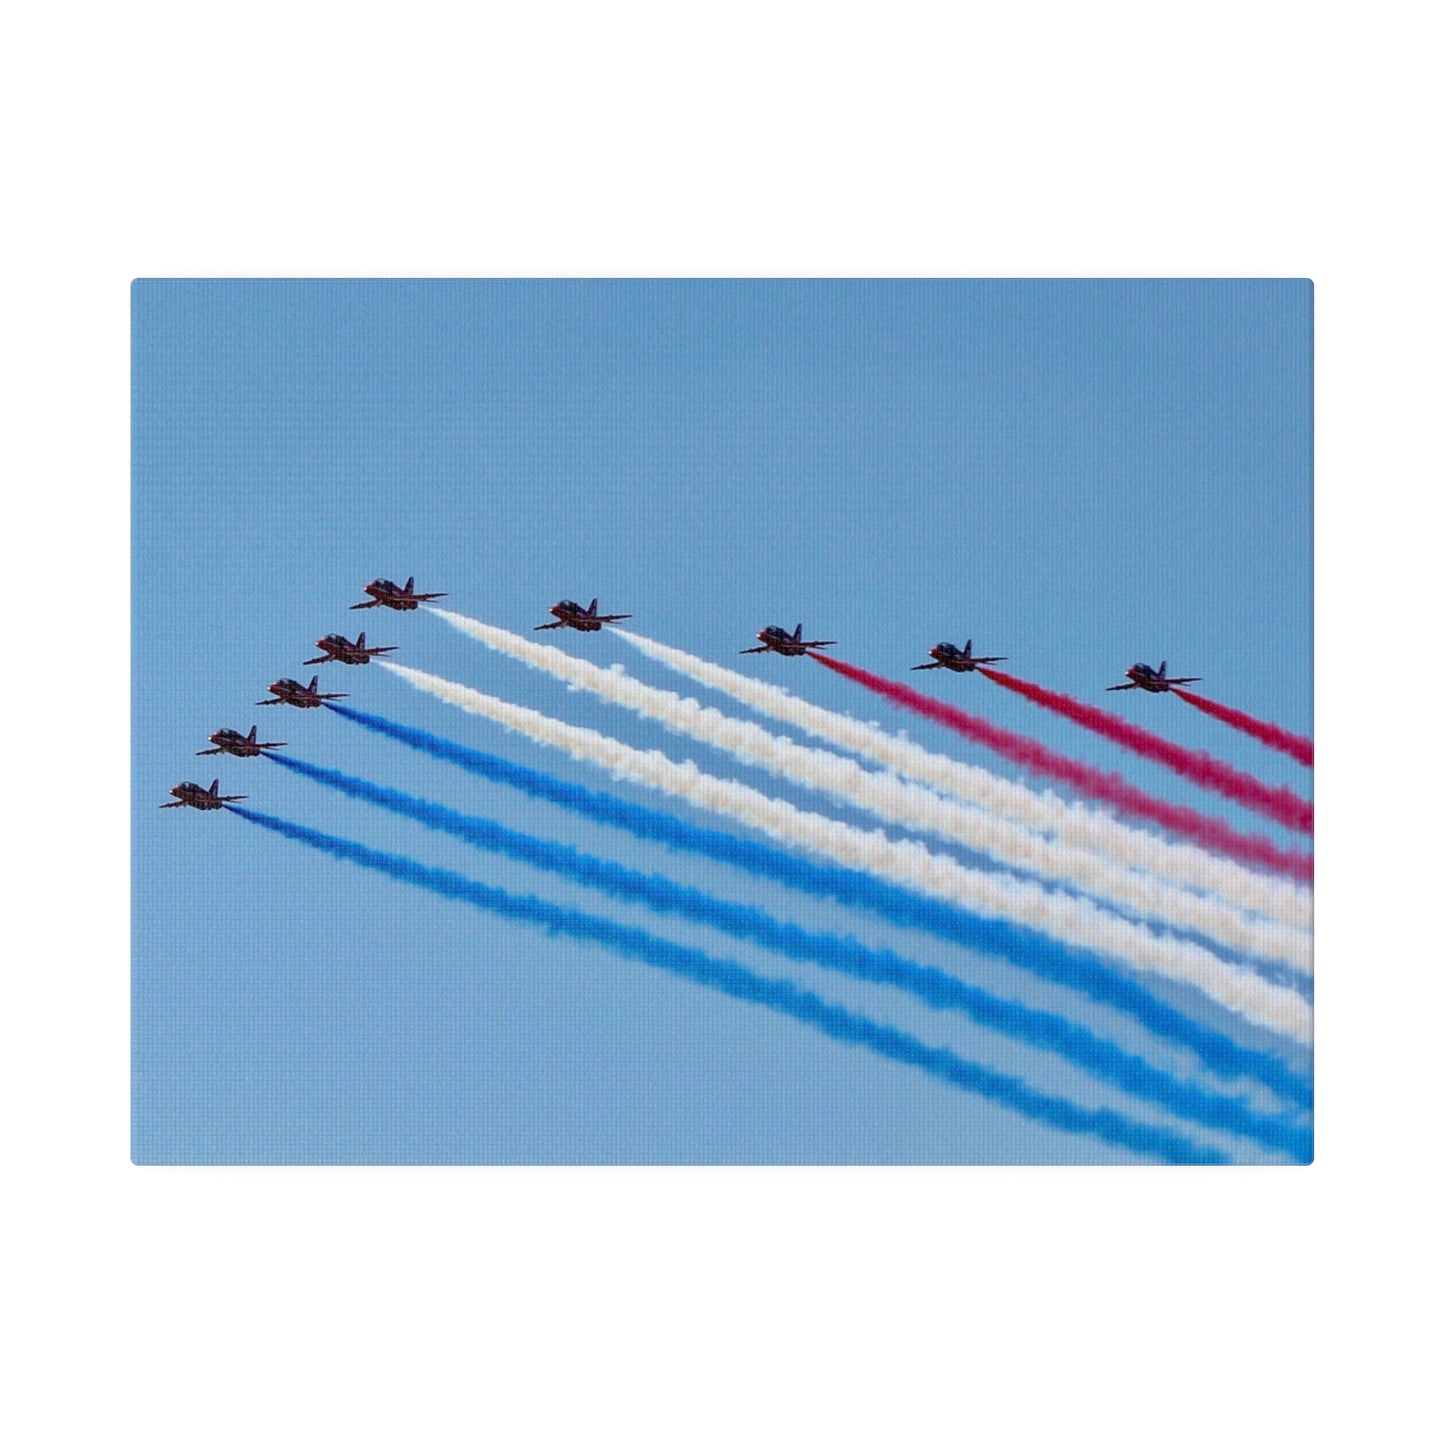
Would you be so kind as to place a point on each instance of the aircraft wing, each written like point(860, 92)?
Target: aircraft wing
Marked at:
point(1175, 681)
point(357, 606)
point(1122, 687)
point(764, 648)
point(548, 626)
point(817, 644)
point(312, 661)
point(616, 617)
point(265, 702)
point(204, 753)
point(922, 667)
point(179, 803)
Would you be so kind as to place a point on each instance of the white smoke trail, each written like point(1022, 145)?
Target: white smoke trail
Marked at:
point(906, 804)
point(1069, 920)
point(1073, 823)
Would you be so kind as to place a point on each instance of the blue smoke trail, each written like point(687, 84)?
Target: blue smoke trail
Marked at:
point(936, 988)
point(1054, 961)
point(741, 983)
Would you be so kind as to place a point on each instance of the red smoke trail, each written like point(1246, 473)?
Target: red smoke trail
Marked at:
point(1302, 750)
point(1108, 788)
point(1285, 807)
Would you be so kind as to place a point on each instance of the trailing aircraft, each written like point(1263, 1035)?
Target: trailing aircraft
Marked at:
point(193, 795)
point(947, 655)
point(289, 690)
point(399, 599)
point(1142, 675)
point(335, 648)
point(570, 614)
point(777, 639)
point(239, 745)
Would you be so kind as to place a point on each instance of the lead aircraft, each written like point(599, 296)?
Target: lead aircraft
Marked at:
point(1142, 675)
point(193, 795)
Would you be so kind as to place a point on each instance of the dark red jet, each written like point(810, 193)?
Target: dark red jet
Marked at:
point(1142, 675)
point(289, 690)
point(777, 639)
point(569, 614)
point(335, 648)
point(239, 745)
point(193, 795)
point(399, 599)
point(947, 655)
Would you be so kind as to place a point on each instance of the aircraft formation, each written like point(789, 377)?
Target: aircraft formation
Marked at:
point(335, 647)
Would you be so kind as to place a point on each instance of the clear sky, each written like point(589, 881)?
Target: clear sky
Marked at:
point(1080, 475)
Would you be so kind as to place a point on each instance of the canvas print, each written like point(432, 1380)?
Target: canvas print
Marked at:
point(722, 722)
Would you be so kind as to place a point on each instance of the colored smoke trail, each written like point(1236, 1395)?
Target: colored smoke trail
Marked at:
point(1105, 787)
point(1301, 749)
point(781, 997)
point(1285, 807)
point(1071, 823)
point(845, 955)
point(914, 807)
point(1070, 967)
point(1074, 922)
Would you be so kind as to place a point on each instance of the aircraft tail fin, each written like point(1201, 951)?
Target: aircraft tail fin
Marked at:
point(798, 633)
point(409, 582)
point(1163, 668)
point(215, 786)
point(968, 648)
point(252, 738)
point(360, 639)
point(592, 611)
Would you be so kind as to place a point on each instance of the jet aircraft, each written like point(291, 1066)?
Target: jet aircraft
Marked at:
point(947, 655)
point(569, 614)
point(399, 599)
point(289, 690)
point(335, 648)
point(239, 745)
point(777, 639)
point(1142, 675)
point(193, 795)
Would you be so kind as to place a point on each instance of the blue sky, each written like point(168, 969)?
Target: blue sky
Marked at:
point(1080, 475)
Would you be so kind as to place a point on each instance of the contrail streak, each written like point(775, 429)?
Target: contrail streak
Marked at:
point(1071, 823)
point(1072, 921)
point(845, 955)
point(1070, 967)
point(1105, 787)
point(906, 804)
point(1287, 808)
point(1301, 749)
point(782, 997)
